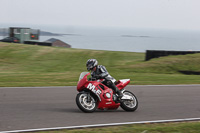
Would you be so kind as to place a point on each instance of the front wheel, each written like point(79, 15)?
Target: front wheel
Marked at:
point(86, 102)
point(129, 105)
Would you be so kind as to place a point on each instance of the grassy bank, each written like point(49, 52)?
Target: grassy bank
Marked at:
point(192, 127)
point(27, 65)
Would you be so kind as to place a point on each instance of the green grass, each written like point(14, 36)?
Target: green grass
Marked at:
point(28, 65)
point(191, 127)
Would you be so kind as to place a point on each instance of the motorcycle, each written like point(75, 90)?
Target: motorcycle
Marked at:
point(93, 94)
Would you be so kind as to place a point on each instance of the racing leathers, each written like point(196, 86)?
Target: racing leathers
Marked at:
point(102, 73)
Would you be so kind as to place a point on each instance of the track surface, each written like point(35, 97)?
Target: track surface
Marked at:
point(46, 107)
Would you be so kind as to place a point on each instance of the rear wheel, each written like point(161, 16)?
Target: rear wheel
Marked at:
point(129, 105)
point(86, 102)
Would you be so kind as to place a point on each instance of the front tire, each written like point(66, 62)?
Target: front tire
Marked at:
point(85, 105)
point(129, 105)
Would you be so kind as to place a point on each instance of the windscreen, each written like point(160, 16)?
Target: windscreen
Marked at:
point(82, 75)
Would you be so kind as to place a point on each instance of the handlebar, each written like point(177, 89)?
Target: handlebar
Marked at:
point(92, 79)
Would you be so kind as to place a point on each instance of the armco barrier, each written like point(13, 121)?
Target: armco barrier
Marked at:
point(158, 53)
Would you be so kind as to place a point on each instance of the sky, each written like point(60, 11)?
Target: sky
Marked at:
point(154, 14)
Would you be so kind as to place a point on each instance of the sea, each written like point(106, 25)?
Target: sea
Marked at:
point(128, 39)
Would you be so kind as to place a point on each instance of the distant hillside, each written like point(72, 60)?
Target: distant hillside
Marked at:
point(45, 33)
point(4, 32)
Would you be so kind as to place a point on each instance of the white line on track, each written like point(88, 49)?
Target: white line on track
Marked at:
point(169, 85)
point(101, 125)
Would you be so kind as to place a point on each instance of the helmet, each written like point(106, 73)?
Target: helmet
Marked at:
point(91, 63)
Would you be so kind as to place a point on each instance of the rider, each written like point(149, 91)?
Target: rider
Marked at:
point(100, 72)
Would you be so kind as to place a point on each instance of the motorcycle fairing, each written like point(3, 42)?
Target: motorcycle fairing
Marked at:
point(95, 89)
point(82, 81)
point(103, 102)
point(122, 83)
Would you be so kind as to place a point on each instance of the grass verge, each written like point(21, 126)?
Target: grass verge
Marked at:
point(182, 127)
point(27, 65)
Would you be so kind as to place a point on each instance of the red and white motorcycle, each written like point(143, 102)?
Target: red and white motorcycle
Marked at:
point(93, 94)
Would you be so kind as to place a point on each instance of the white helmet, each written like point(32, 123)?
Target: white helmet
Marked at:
point(91, 63)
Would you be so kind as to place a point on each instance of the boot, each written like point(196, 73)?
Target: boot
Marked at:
point(120, 94)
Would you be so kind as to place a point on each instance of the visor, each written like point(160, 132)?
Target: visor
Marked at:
point(89, 67)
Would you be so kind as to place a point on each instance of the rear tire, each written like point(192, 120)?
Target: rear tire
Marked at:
point(129, 105)
point(85, 105)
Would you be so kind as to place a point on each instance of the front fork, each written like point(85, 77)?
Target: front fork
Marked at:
point(88, 97)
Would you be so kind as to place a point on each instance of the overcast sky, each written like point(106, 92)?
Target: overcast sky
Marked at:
point(158, 14)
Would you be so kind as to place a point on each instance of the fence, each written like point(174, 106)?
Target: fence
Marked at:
point(38, 43)
point(157, 53)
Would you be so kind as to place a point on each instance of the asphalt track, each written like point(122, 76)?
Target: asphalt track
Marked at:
point(47, 107)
